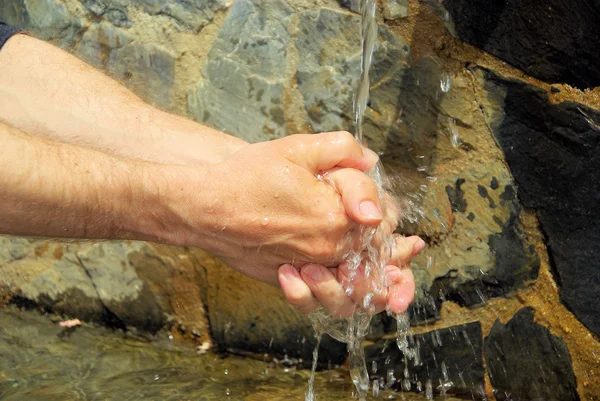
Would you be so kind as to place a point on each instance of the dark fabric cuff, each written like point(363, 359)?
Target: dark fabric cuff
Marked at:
point(6, 31)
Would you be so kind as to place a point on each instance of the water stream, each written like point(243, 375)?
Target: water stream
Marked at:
point(376, 246)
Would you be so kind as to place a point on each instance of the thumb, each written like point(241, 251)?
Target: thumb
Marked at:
point(318, 152)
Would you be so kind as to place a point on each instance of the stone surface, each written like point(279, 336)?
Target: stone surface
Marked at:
point(190, 14)
point(242, 91)
point(395, 9)
point(554, 40)
point(398, 122)
point(251, 316)
point(552, 151)
point(478, 250)
point(146, 67)
point(450, 358)
point(526, 362)
point(47, 19)
point(122, 284)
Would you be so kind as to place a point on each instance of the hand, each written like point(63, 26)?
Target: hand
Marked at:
point(313, 285)
point(264, 206)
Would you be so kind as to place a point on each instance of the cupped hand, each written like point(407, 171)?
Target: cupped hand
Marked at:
point(264, 206)
point(314, 285)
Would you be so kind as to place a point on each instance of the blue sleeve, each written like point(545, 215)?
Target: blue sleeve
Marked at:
point(6, 31)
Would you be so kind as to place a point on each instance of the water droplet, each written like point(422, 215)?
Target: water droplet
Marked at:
point(226, 371)
point(228, 392)
point(428, 390)
point(445, 82)
point(264, 222)
point(454, 135)
point(375, 388)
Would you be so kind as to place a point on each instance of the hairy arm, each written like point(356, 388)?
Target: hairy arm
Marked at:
point(47, 92)
point(59, 190)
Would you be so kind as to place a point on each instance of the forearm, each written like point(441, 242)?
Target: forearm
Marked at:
point(47, 92)
point(57, 190)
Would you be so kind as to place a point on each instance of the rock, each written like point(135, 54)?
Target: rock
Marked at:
point(246, 315)
point(244, 73)
point(120, 288)
point(45, 19)
point(328, 43)
point(146, 68)
point(449, 359)
point(526, 362)
point(537, 37)
point(552, 151)
point(120, 284)
point(395, 9)
point(191, 14)
point(480, 251)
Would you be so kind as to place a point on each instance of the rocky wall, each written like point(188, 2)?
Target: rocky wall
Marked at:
point(495, 165)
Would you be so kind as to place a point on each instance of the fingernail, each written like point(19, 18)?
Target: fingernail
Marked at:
point(370, 210)
point(418, 246)
point(371, 157)
point(289, 272)
point(314, 272)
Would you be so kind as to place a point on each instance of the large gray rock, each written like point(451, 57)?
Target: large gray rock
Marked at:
point(109, 282)
point(242, 92)
point(328, 43)
point(147, 68)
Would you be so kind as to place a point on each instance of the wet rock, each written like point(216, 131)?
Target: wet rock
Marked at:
point(552, 151)
point(46, 19)
point(526, 362)
point(190, 14)
point(398, 121)
point(537, 37)
point(450, 359)
point(244, 73)
point(147, 68)
point(249, 316)
point(478, 250)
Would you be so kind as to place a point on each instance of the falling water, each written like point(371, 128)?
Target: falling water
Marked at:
point(376, 246)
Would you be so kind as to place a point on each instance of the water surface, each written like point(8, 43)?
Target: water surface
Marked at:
point(39, 361)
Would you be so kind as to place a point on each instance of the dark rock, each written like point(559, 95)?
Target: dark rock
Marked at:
point(553, 40)
point(250, 316)
point(449, 358)
point(457, 197)
point(553, 153)
point(526, 362)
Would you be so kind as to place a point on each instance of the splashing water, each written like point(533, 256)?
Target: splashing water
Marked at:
point(375, 248)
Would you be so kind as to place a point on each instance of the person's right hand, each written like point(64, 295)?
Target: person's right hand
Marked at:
point(265, 207)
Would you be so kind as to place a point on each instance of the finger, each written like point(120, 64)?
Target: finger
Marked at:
point(327, 290)
point(324, 151)
point(296, 291)
point(359, 194)
point(405, 249)
point(401, 288)
point(357, 287)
